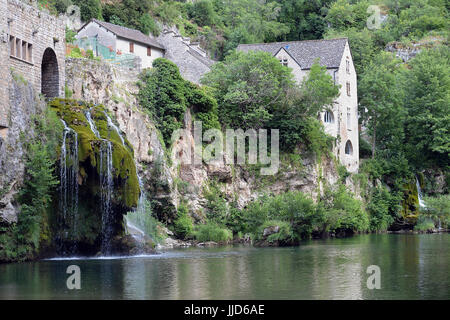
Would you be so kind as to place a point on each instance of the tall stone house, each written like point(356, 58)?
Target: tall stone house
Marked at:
point(340, 119)
point(32, 45)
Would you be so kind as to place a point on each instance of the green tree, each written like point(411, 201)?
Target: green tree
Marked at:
point(162, 93)
point(305, 19)
point(381, 102)
point(89, 9)
point(428, 101)
point(249, 86)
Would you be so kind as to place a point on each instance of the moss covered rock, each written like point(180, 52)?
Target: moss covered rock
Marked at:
point(126, 190)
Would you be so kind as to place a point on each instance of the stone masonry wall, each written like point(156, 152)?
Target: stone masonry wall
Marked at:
point(36, 31)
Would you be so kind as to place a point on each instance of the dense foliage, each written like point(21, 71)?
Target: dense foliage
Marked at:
point(166, 96)
point(255, 91)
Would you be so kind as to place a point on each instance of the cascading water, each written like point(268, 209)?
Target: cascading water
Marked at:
point(419, 194)
point(134, 227)
point(68, 201)
point(112, 125)
point(106, 186)
point(91, 123)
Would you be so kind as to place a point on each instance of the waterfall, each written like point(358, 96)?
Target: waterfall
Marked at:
point(419, 194)
point(106, 183)
point(68, 199)
point(136, 223)
point(112, 125)
point(91, 123)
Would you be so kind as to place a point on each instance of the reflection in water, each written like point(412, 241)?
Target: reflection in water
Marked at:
point(412, 267)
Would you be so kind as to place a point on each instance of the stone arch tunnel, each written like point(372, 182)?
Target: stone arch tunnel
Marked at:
point(49, 74)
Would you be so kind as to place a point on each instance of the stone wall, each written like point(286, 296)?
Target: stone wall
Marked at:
point(32, 31)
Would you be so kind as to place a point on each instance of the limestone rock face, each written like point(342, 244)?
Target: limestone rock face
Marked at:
point(24, 104)
point(116, 88)
point(169, 183)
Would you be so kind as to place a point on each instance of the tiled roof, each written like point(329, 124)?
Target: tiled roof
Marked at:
point(130, 34)
point(329, 52)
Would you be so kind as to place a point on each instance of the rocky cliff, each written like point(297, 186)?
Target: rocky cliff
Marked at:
point(24, 105)
point(166, 179)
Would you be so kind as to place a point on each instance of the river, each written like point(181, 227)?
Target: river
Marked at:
point(411, 267)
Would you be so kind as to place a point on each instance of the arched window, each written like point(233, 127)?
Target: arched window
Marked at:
point(328, 117)
point(348, 148)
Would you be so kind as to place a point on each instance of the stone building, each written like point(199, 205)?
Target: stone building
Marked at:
point(32, 47)
point(341, 119)
point(121, 40)
point(190, 58)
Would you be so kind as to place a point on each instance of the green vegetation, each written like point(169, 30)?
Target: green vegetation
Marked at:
point(255, 91)
point(166, 96)
point(144, 220)
point(437, 210)
point(183, 225)
point(72, 112)
point(24, 240)
point(299, 217)
point(212, 232)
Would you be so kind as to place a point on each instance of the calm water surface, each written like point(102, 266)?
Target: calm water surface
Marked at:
point(412, 267)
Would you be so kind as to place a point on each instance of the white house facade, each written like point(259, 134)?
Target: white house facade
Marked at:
point(341, 119)
point(122, 40)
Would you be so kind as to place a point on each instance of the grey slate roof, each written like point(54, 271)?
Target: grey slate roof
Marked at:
point(329, 52)
point(128, 33)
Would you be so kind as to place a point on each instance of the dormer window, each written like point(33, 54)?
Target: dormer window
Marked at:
point(284, 61)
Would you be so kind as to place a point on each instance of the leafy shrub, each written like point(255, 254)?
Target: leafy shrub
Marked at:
point(424, 224)
point(437, 209)
point(383, 207)
point(212, 232)
point(342, 211)
point(183, 224)
point(216, 206)
point(285, 235)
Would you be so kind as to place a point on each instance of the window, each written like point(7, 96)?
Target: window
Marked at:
point(18, 46)
point(348, 89)
point(349, 118)
point(348, 148)
point(20, 49)
point(328, 117)
point(24, 50)
point(149, 51)
point(12, 45)
point(30, 53)
point(284, 61)
point(131, 47)
point(347, 66)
